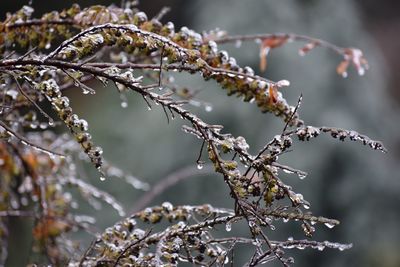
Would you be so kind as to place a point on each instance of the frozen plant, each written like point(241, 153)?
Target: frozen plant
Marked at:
point(42, 58)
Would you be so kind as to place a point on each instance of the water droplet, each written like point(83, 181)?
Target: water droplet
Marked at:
point(344, 74)
point(102, 178)
point(148, 108)
point(43, 125)
point(228, 227)
point(200, 165)
point(208, 107)
point(124, 104)
point(302, 175)
point(238, 43)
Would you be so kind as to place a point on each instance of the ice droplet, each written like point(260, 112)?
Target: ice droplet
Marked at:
point(283, 83)
point(287, 171)
point(102, 178)
point(228, 227)
point(200, 165)
point(329, 225)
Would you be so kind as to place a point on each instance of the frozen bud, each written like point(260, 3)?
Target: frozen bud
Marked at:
point(139, 18)
point(248, 70)
point(83, 137)
point(97, 151)
point(223, 55)
point(213, 46)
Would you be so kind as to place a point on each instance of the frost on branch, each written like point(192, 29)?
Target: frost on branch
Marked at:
point(42, 58)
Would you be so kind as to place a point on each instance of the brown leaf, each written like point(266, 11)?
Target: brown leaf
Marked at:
point(341, 69)
point(266, 45)
point(263, 58)
point(307, 48)
point(273, 94)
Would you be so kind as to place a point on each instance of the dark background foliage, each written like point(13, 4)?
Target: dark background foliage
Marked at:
point(347, 182)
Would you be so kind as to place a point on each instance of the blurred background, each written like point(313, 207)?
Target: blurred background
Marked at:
point(346, 181)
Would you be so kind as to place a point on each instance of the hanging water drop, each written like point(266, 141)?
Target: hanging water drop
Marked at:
point(43, 125)
point(102, 178)
point(302, 175)
point(124, 104)
point(200, 165)
point(208, 107)
point(238, 43)
point(228, 227)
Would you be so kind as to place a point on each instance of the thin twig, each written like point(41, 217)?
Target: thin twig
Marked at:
point(27, 142)
point(162, 13)
point(51, 121)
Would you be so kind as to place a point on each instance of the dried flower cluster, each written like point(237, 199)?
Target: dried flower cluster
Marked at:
point(120, 45)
